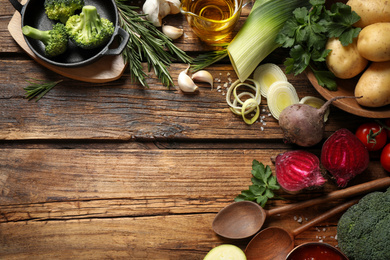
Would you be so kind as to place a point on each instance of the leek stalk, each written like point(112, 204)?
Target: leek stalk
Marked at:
point(256, 38)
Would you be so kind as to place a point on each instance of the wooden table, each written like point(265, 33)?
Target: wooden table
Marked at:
point(118, 171)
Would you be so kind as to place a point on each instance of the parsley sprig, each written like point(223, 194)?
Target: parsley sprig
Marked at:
point(264, 183)
point(307, 32)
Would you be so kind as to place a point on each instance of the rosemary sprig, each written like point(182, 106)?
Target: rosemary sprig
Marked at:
point(206, 59)
point(147, 42)
point(39, 88)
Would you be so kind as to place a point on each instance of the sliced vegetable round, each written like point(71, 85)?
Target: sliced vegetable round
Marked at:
point(266, 75)
point(226, 251)
point(250, 103)
point(315, 102)
point(281, 94)
point(242, 107)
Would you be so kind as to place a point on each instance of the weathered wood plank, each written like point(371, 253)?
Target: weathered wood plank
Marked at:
point(138, 203)
point(121, 110)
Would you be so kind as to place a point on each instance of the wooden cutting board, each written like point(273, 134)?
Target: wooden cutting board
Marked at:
point(107, 68)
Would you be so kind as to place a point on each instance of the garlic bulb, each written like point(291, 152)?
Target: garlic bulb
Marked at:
point(156, 10)
point(175, 6)
point(186, 84)
point(203, 76)
point(172, 32)
point(152, 9)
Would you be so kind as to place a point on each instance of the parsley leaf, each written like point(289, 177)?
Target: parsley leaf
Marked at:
point(263, 184)
point(307, 32)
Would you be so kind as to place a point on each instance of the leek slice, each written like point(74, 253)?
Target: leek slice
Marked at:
point(256, 38)
point(281, 94)
point(266, 74)
point(250, 103)
point(240, 107)
point(315, 102)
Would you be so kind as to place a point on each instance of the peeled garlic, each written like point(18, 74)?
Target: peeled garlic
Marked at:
point(203, 76)
point(186, 84)
point(172, 32)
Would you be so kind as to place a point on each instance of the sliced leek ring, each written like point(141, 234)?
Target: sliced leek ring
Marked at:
point(281, 94)
point(266, 74)
point(235, 101)
point(243, 107)
point(237, 84)
point(250, 103)
point(315, 102)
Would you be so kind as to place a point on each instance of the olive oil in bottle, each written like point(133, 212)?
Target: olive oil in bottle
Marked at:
point(212, 20)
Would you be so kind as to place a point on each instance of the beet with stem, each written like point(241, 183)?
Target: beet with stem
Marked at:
point(303, 124)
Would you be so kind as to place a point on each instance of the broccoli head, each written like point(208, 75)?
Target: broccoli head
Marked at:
point(363, 231)
point(88, 30)
point(62, 9)
point(55, 40)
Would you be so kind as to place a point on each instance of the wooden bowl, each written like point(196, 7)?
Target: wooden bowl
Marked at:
point(346, 87)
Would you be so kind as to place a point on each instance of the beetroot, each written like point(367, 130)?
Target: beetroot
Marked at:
point(297, 170)
point(344, 156)
point(303, 124)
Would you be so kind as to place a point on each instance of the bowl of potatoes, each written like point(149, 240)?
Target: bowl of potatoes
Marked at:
point(363, 67)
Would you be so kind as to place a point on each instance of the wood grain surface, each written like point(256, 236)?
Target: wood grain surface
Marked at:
point(117, 171)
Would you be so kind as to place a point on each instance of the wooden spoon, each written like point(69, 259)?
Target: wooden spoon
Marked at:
point(244, 219)
point(275, 243)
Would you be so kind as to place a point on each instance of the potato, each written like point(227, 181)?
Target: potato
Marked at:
point(374, 42)
point(344, 61)
point(370, 11)
point(374, 85)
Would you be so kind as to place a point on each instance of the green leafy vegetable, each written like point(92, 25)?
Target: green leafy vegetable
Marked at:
point(147, 42)
point(39, 88)
point(263, 185)
point(307, 32)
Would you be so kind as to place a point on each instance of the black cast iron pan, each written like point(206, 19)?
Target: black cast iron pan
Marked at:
point(33, 14)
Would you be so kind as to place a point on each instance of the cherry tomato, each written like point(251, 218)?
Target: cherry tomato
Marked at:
point(372, 135)
point(385, 158)
point(387, 124)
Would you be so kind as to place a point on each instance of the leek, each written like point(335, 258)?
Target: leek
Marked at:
point(256, 38)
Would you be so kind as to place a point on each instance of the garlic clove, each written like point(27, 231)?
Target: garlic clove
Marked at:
point(172, 32)
point(203, 76)
point(175, 6)
point(186, 84)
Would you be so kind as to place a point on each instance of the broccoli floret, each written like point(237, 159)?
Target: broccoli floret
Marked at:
point(62, 9)
point(363, 230)
point(55, 40)
point(88, 30)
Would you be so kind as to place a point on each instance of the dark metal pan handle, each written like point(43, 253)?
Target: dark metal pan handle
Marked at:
point(18, 6)
point(125, 38)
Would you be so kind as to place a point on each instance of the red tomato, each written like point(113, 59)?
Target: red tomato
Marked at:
point(385, 158)
point(372, 135)
point(387, 124)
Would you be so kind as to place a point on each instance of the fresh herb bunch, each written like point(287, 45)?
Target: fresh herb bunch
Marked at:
point(264, 183)
point(206, 59)
point(39, 88)
point(307, 33)
point(147, 42)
